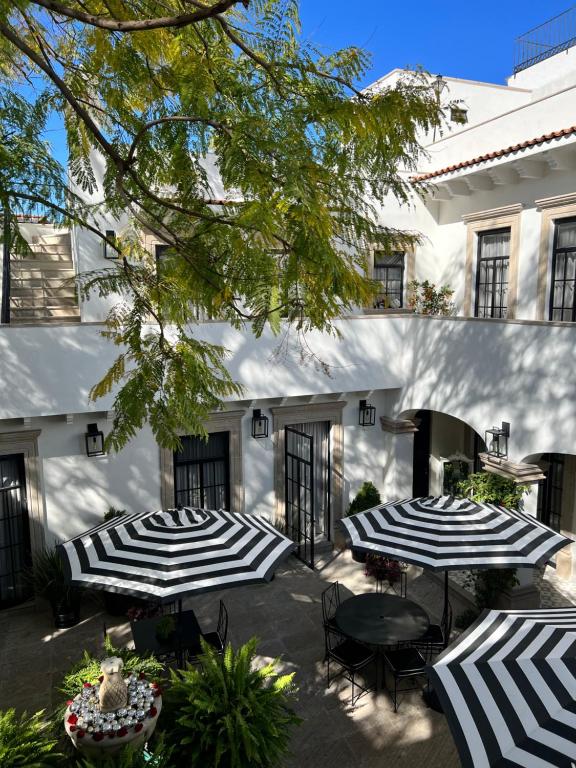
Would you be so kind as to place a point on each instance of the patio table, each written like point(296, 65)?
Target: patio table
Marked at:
point(186, 636)
point(380, 619)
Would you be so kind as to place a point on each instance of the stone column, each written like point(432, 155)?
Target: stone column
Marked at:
point(399, 442)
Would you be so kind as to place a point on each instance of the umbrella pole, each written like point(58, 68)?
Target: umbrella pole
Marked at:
point(445, 592)
point(180, 605)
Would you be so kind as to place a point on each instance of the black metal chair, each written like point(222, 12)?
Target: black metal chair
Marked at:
point(351, 656)
point(404, 664)
point(393, 581)
point(330, 603)
point(437, 636)
point(217, 639)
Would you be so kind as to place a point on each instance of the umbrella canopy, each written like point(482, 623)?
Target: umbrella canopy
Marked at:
point(165, 555)
point(507, 687)
point(443, 533)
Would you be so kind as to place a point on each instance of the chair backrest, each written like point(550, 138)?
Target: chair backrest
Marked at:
point(447, 622)
point(330, 601)
point(332, 638)
point(222, 627)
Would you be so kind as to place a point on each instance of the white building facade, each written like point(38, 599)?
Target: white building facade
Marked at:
point(497, 213)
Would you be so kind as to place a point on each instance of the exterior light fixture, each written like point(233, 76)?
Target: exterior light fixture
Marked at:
point(109, 253)
point(439, 86)
point(259, 424)
point(94, 441)
point(366, 414)
point(496, 440)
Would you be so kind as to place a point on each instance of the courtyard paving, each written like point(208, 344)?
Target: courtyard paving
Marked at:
point(286, 616)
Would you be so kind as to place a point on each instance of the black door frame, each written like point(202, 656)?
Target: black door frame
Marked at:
point(298, 478)
point(8, 541)
point(421, 455)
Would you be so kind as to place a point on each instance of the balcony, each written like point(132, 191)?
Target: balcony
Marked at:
point(546, 40)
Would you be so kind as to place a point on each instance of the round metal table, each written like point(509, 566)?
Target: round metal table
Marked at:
point(381, 619)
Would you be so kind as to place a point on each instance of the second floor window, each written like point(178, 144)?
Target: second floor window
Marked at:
point(562, 305)
point(389, 273)
point(492, 273)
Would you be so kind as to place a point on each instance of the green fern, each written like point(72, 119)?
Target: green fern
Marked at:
point(229, 713)
point(134, 758)
point(25, 741)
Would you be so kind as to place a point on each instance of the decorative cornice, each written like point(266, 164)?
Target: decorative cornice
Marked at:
point(22, 436)
point(520, 473)
point(493, 213)
point(556, 202)
point(305, 409)
point(397, 426)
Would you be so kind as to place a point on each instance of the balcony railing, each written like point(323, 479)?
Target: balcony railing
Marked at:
point(546, 40)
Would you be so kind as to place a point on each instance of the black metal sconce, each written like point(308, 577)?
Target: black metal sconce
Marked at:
point(109, 253)
point(366, 414)
point(496, 440)
point(94, 441)
point(259, 424)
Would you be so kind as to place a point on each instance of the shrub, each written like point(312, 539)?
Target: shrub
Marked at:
point(25, 741)
point(426, 299)
point(113, 513)
point(48, 578)
point(134, 758)
point(229, 713)
point(493, 489)
point(367, 497)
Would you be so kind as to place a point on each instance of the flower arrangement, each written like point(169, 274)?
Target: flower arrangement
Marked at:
point(139, 612)
point(384, 568)
point(84, 718)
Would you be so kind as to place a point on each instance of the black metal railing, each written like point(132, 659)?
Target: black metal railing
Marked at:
point(546, 40)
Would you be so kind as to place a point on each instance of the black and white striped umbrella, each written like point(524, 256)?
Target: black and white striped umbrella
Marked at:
point(165, 555)
point(444, 533)
point(508, 689)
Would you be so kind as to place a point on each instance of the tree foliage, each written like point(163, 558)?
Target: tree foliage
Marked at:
point(149, 89)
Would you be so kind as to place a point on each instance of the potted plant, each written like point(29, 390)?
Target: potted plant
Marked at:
point(367, 497)
point(228, 711)
point(165, 629)
point(26, 740)
point(384, 568)
point(49, 580)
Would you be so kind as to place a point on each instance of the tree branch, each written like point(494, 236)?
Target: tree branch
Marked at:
point(172, 119)
point(139, 25)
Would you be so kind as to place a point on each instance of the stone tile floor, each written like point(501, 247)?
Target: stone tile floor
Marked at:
point(286, 616)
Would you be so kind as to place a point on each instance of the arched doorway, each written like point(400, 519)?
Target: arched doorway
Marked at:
point(445, 452)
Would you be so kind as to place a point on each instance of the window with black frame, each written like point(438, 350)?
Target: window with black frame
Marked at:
point(562, 305)
point(492, 273)
point(388, 272)
point(202, 472)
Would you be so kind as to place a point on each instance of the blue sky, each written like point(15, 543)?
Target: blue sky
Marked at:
point(472, 40)
point(453, 38)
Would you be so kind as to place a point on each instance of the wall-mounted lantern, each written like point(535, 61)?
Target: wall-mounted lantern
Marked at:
point(109, 253)
point(259, 424)
point(366, 414)
point(496, 440)
point(94, 441)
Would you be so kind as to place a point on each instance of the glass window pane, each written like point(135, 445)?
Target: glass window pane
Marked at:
point(566, 234)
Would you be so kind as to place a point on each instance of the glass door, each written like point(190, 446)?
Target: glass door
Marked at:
point(15, 552)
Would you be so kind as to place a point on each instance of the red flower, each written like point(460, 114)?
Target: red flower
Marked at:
point(81, 734)
point(70, 701)
point(123, 731)
point(98, 736)
point(141, 675)
point(153, 712)
point(87, 685)
point(157, 692)
point(154, 685)
point(72, 728)
point(72, 719)
point(138, 727)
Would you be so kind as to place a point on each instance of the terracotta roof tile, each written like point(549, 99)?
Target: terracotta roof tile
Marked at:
point(498, 153)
